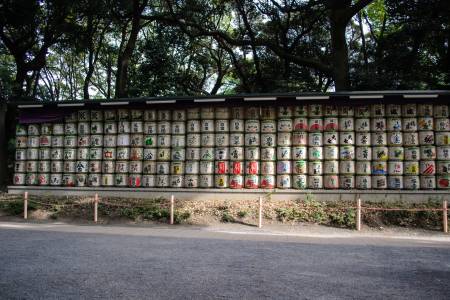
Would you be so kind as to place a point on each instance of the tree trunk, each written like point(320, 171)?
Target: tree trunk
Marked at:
point(339, 52)
point(3, 152)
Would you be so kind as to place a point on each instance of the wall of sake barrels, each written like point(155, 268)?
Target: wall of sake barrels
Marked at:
point(306, 146)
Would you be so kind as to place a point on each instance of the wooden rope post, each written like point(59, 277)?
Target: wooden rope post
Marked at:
point(25, 205)
point(172, 200)
point(260, 213)
point(444, 216)
point(96, 208)
point(358, 215)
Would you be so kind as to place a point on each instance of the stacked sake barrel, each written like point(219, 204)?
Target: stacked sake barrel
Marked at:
point(149, 163)
point(442, 141)
point(331, 147)
point(164, 139)
point(103, 154)
point(315, 146)
point(222, 150)
point(363, 149)
point(178, 148)
point(252, 147)
point(236, 150)
point(284, 150)
point(268, 151)
point(207, 150)
point(299, 147)
point(193, 143)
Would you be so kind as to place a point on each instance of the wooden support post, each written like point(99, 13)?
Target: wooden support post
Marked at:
point(358, 215)
point(260, 213)
point(172, 200)
point(25, 205)
point(444, 216)
point(96, 208)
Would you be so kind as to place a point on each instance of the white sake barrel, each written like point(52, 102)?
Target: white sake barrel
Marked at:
point(56, 166)
point(425, 110)
point(110, 140)
point(300, 182)
point(70, 141)
point(21, 130)
point(394, 124)
point(268, 140)
point(222, 139)
point(19, 166)
point(135, 167)
point(442, 167)
point(330, 110)
point(164, 115)
point(252, 126)
point(427, 152)
point(33, 141)
point(222, 126)
point(96, 115)
point(237, 112)
point(55, 179)
point(163, 127)
point(380, 153)
point(425, 123)
point(207, 126)
point(379, 168)
point(285, 125)
point(222, 113)
point(285, 112)
point(32, 153)
point(83, 141)
point(442, 138)
point(31, 166)
point(268, 181)
point(222, 153)
point(315, 168)
point(378, 125)
point(396, 153)
point(69, 167)
point(329, 153)
point(284, 167)
point(442, 124)
point(178, 128)
point(192, 167)
point(34, 129)
point(237, 125)
point(207, 139)
point(191, 181)
point(315, 182)
point(55, 153)
point(411, 168)
point(31, 179)
point(96, 128)
point(207, 112)
point(347, 138)
point(148, 181)
point(206, 167)
point(120, 179)
point(363, 139)
point(268, 113)
point(236, 139)
point(269, 154)
point(394, 138)
point(428, 182)
point(149, 167)
point(193, 140)
point(150, 154)
point(237, 168)
point(178, 141)
point(207, 153)
point(252, 153)
point(193, 113)
point(268, 126)
point(409, 110)
point(410, 139)
point(136, 153)
point(123, 153)
point(68, 180)
point(221, 181)
point(441, 111)
point(346, 153)
point(108, 166)
point(96, 140)
point(363, 111)
point(315, 139)
point(300, 110)
point(284, 181)
point(150, 128)
point(300, 138)
point(72, 117)
point(284, 139)
point(177, 168)
point(136, 114)
point(443, 182)
point(379, 138)
point(221, 167)
point(109, 127)
point(178, 154)
point(330, 124)
point(443, 152)
point(395, 168)
point(95, 153)
point(347, 124)
point(45, 141)
point(134, 180)
point(164, 140)
point(252, 167)
point(70, 153)
point(331, 167)
point(347, 167)
point(81, 179)
point(314, 153)
point(393, 110)
point(150, 141)
point(412, 153)
point(363, 182)
point(362, 125)
point(109, 153)
point(379, 182)
point(377, 110)
point(252, 139)
point(315, 110)
point(84, 128)
point(268, 168)
point(346, 111)
point(363, 168)
point(426, 137)
point(162, 168)
point(193, 153)
point(330, 138)
point(347, 182)
point(110, 115)
point(427, 167)
point(300, 167)
point(251, 181)
point(300, 124)
point(21, 142)
point(83, 153)
point(410, 124)
point(84, 115)
point(107, 180)
point(283, 153)
point(315, 125)
point(206, 181)
point(137, 127)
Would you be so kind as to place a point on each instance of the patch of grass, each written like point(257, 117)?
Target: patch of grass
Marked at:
point(242, 213)
point(15, 208)
point(227, 217)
